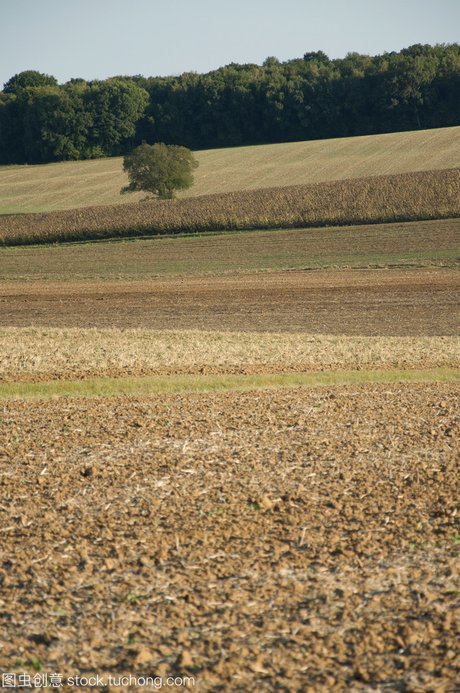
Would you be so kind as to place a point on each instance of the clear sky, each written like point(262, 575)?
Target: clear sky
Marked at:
point(95, 39)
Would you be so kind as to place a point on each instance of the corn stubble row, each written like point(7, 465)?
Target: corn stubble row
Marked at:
point(403, 197)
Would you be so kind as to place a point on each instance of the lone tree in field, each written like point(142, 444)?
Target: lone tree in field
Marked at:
point(159, 169)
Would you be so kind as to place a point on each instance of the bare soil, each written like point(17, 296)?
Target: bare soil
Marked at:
point(361, 302)
point(302, 539)
point(277, 540)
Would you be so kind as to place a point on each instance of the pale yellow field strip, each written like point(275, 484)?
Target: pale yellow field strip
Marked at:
point(115, 387)
point(77, 184)
point(31, 353)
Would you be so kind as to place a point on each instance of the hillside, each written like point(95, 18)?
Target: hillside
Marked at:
point(78, 184)
point(413, 196)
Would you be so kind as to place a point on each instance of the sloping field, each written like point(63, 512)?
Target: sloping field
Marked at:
point(404, 197)
point(88, 183)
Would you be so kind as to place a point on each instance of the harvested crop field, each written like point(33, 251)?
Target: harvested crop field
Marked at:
point(302, 539)
point(72, 184)
point(374, 302)
point(270, 502)
point(41, 354)
point(414, 196)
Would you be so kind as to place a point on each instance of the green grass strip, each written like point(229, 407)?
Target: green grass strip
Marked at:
point(109, 387)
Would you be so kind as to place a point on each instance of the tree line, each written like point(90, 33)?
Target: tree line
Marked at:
point(312, 97)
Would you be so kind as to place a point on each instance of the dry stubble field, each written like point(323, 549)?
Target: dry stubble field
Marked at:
point(273, 539)
point(79, 184)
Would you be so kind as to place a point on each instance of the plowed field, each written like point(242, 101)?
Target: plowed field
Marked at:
point(296, 540)
point(398, 302)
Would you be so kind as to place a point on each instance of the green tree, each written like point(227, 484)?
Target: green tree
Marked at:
point(12, 149)
point(409, 85)
point(159, 169)
point(115, 106)
point(28, 78)
point(55, 123)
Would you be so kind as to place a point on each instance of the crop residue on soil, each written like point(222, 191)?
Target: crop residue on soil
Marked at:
point(397, 302)
point(303, 539)
point(45, 353)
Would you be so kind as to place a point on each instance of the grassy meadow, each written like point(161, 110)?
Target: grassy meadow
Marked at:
point(79, 184)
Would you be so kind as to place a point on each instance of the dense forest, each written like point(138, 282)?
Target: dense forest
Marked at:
point(307, 98)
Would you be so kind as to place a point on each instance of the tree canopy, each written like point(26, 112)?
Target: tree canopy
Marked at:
point(312, 97)
point(28, 78)
point(159, 169)
point(78, 120)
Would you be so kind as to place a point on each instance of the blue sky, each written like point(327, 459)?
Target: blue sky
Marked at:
point(95, 39)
